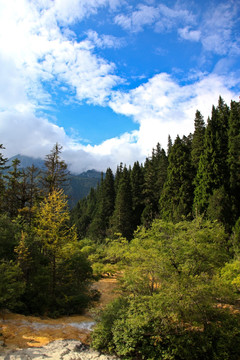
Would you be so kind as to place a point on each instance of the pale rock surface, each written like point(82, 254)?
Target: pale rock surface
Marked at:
point(56, 350)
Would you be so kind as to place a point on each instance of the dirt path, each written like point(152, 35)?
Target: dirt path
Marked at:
point(21, 331)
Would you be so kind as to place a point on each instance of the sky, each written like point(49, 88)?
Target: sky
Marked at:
point(109, 79)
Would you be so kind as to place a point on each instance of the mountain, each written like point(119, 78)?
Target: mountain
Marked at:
point(79, 185)
point(27, 161)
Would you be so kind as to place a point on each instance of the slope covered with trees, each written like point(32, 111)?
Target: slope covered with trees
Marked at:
point(198, 175)
point(43, 268)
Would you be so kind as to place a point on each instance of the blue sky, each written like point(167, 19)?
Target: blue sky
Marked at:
point(108, 79)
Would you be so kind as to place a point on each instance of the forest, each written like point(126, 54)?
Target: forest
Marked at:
point(168, 229)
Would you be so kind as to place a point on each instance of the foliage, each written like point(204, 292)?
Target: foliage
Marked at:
point(67, 266)
point(9, 232)
point(11, 285)
point(176, 198)
point(170, 306)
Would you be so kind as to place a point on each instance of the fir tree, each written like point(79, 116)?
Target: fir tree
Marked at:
point(105, 207)
point(13, 189)
point(177, 196)
point(169, 146)
point(212, 171)
point(53, 231)
point(137, 183)
point(234, 158)
point(56, 174)
point(155, 172)
point(2, 183)
point(121, 221)
point(198, 139)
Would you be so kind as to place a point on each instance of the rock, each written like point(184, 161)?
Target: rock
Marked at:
point(57, 350)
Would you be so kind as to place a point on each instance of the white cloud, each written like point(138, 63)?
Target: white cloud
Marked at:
point(144, 15)
point(161, 17)
point(171, 17)
point(187, 34)
point(217, 26)
point(162, 106)
point(217, 29)
point(35, 50)
point(66, 12)
point(105, 41)
point(35, 136)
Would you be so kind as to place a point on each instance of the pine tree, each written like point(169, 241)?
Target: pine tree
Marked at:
point(118, 176)
point(137, 184)
point(2, 183)
point(34, 192)
point(212, 171)
point(198, 139)
point(83, 213)
point(169, 146)
point(234, 158)
point(155, 172)
point(121, 221)
point(177, 195)
point(56, 174)
point(13, 189)
point(53, 231)
point(105, 207)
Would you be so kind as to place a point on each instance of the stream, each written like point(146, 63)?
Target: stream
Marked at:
point(19, 331)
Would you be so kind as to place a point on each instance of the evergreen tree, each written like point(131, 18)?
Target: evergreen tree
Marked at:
point(56, 174)
point(177, 196)
point(105, 207)
point(34, 192)
point(222, 141)
point(234, 158)
point(83, 213)
point(170, 144)
point(121, 221)
point(212, 171)
point(53, 231)
point(2, 183)
point(137, 184)
point(155, 172)
point(11, 285)
point(118, 176)
point(13, 189)
point(198, 139)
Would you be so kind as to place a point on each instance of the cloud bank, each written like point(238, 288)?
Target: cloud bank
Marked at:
point(39, 52)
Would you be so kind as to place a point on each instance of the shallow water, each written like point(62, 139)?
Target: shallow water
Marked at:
point(21, 331)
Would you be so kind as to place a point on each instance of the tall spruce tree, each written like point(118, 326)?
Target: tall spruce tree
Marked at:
point(212, 171)
point(169, 146)
point(234, 158)
point(155, 173)
point(83, 213)
point(198, 139)
point(105, 207)
point(137, 183)
point(56, 174)
point(121, 220)
point(177, 195)
point(13, 189)
point(118, 176)
point(2, 183)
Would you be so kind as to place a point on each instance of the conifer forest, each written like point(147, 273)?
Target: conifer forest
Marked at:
point(168, 229)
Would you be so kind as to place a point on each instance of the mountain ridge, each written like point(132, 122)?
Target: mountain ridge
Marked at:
point(79, 184)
